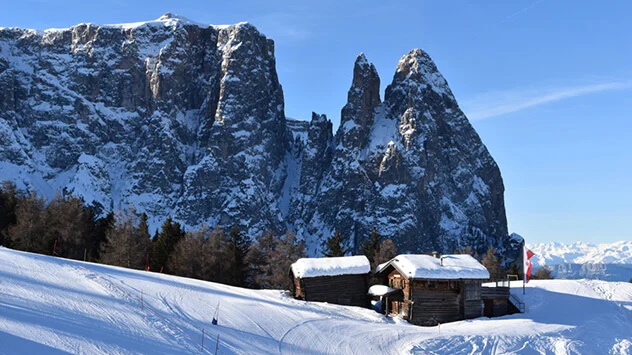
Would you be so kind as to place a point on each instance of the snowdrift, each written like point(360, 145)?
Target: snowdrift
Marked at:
point(53, 306)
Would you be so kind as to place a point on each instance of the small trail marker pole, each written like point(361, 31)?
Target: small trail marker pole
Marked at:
point(217, 345)
point(216, 315)
point(202, 339)
point(85, 252)
point(54, 247)
point(439, 325)
point(161, 269)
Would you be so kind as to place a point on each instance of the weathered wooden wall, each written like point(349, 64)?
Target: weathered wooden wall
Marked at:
point(495, 292)
point(496, 307)
point(348, 290)
point(428, 302)
point(435, 302)
point(471, 300)
point(496, 301)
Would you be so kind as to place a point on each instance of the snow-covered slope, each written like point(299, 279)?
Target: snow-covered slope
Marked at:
point(582, 253)
point(50, 305)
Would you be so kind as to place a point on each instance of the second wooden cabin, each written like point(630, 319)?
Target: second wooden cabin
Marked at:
point(339, 280)
point(433, 289)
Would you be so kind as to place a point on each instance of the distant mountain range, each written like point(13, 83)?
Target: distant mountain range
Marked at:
point(611, 262)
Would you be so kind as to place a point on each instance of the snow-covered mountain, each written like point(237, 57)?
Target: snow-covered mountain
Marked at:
point(53, 306)
point(578, 260)
point(183, 119)
point(581, 253)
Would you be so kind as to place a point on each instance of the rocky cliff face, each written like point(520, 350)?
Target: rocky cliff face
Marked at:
point(410, 166)
point(188, 120)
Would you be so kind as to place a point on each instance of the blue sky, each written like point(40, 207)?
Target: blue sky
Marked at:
point(546, 83)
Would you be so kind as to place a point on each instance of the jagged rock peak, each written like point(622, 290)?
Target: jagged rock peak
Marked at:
point(418, 68)
point(366, 78)
point(169, 16)
point(362, 99)
point(316, 118)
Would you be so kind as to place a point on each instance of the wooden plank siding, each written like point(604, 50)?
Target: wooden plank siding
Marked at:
point(429, 302)
point(495, 292)
point(496, 301)
point(471, 299)
point(348, 290)
point(435, 302)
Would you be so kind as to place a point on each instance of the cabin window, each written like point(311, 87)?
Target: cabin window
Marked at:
point(397, 283)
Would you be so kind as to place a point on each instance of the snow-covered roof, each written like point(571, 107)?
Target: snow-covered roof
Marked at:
point(459, 266)
point(381, 290)
point(344, 265)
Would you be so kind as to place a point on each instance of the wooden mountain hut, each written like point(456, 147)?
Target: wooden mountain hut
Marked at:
point(434, 289)
point(339, 280)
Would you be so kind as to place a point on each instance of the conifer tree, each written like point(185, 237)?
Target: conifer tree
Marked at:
point(514, 270)
point(371, 247)
point(289, 249)
point(237, 250)
point(163, 244)
point(219, 244)
point(270, 258)
point(543, 273)
point(69, 226)
point(334, 246)
point(9, 196)
point(192, 257)
point(26, 234)
point(490, 261)
point(125, 245)
point(144, 236)
point(386, 252)
point(100, 229)
point(259, 258)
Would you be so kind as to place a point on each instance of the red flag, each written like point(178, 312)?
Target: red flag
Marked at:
point(527, 265)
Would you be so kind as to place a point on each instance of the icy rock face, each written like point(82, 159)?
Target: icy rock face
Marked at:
point(187, 120)
point(173, 117)
point(411, 167)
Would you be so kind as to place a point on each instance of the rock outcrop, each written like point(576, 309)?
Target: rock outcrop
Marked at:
point(187, 120)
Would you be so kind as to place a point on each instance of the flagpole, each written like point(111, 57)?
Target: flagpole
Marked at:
point(524, 268)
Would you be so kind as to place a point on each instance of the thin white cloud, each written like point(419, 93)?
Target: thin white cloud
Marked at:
point(495, 104)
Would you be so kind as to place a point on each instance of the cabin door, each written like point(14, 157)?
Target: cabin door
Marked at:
point(399, 308)
point(489, 308)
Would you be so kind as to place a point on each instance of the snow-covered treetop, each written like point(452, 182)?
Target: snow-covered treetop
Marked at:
point(344, 265)
point(447, 267)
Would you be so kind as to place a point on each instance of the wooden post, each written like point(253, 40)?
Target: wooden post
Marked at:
point(386, 307)
point(161, 269)
point(54, 247)
point(202, 339)
point(85, 252)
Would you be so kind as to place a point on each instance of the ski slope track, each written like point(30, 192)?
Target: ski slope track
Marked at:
point(55, 306)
